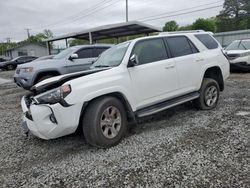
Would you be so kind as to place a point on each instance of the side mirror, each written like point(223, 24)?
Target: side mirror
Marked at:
point(133, 61)
point(73, 56)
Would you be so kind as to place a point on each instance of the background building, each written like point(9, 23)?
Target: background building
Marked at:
point(31, 49)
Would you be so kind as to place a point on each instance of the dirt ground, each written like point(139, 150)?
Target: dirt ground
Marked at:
point(180, 147)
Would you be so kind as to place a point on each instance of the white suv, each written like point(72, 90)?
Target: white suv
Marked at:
point(130, 80)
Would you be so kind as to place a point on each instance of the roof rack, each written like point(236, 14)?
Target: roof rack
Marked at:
point(179, 32)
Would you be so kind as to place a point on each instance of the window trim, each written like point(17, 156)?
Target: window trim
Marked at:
point(189, 42)
point(142, 40)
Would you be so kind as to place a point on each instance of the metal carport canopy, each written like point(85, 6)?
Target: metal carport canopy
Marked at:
point(110, 31)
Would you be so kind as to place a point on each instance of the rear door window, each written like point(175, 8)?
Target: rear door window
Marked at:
point(149, 51)
point(180, 46)
point(85, 53)
point(207, 40)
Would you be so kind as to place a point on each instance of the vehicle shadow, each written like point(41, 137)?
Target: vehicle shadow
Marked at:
point(76, 144)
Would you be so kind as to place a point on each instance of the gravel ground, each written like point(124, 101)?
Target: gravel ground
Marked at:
point(181, 147)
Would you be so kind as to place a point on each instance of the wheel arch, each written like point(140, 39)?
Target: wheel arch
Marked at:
point(129, 111)
point(45, 73)
point(216, 74)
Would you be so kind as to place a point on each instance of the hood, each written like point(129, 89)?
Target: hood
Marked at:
point(237, 51)
point(57, 81)
point(40, 63)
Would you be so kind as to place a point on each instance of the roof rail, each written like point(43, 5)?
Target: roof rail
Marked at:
point(179, 32)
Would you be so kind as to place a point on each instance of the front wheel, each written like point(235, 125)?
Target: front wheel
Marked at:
point(209, 95)
point(104, 122)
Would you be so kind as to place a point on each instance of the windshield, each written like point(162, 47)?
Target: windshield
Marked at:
point(112, 57)
point(65, 53)
point(239, 45)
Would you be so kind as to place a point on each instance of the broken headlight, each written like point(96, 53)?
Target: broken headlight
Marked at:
point(53, 96)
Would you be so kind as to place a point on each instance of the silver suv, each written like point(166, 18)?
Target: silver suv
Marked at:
point(73, 59)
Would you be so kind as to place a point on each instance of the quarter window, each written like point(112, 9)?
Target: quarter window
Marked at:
point(180, 46)
point(207, 40)
point(149, 51)
point(85, 53)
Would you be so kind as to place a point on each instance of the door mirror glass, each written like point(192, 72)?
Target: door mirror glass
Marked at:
point(73, 56)
point(133, 61)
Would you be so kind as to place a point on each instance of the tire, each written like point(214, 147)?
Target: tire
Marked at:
point(97, 129)
point(209, 95)
point(43, 78)
point(10, 67)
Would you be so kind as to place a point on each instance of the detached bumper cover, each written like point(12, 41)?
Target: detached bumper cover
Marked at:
point(40, 123)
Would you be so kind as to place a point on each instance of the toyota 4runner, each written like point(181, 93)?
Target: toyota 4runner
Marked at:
point(130, 80)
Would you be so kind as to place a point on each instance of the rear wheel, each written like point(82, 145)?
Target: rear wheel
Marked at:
point(209, 95)
point(104, 122)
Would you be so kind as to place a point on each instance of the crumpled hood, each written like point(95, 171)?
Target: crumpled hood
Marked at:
point(57, 81)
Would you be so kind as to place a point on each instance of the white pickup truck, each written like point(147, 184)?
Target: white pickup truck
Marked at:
point(131, 80)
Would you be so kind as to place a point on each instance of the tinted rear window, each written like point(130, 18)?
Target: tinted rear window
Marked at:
point(207, 40)
point(179, 46)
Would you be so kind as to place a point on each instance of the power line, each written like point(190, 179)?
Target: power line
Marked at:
point(78, 16)
point(86, 15)
point(199, 10)
point(171, 12)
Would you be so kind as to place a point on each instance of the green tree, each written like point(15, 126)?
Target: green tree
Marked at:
point(246, 8)
point(75, 42)
point(171, 26)
point(185, 28)
point(232, 17)
point(40, 37)
point(204, 24)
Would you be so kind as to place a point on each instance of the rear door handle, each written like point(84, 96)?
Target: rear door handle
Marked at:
point(199, 60)
point(170, 67)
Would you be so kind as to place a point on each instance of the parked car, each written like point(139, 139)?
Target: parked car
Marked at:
point(73, 59)
point(12, 64)
point(131, 80)
point(2, 59)
point(238, 53)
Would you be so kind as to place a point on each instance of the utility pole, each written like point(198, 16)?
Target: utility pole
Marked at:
point(126, 10)
point(28, 32)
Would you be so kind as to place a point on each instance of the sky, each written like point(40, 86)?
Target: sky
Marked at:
point(66, 16)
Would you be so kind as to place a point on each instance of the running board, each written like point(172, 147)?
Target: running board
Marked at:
point(167, 104)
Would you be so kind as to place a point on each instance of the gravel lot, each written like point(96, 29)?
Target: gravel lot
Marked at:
point(181, 147)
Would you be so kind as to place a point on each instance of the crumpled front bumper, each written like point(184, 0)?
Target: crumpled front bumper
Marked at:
point(50, 121)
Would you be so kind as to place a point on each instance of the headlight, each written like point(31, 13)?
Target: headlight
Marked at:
point(26, 69)
point(245, 54)
point(53, 96)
